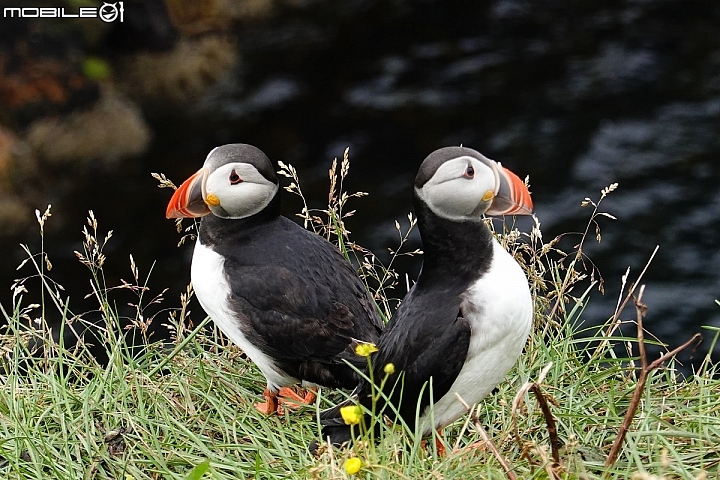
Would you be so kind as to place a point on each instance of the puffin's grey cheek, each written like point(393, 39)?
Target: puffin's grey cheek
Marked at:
point(481, 208)
point(219, 211)
point(448, 199)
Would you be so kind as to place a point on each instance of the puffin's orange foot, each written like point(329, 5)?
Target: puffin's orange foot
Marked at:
point(439, 445)
point(270, 405)
point(291, 398)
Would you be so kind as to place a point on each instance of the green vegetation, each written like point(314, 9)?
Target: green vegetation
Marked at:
point(183, 409)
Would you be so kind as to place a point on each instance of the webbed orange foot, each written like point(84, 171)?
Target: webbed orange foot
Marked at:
point(270, 405)
point(292, 399)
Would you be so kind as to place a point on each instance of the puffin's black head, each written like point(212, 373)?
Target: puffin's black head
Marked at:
point(236, 181)
point(459, 183)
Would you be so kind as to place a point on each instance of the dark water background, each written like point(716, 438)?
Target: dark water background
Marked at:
point(577, 95)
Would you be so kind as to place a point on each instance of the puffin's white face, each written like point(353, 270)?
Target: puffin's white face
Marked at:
point(459, 184)
point(237, 190)
point(236, 181)
point(461, 189)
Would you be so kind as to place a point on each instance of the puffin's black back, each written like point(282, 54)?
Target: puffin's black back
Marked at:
point(296, 297)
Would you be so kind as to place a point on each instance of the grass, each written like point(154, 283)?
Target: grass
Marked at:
point(183, 409)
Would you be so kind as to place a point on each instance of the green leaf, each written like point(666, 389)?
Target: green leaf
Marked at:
point(199, 470)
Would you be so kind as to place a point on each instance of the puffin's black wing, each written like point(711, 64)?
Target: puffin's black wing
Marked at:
point(302, 303)
point(427, 337)
point(295, 297)
point(297, 321)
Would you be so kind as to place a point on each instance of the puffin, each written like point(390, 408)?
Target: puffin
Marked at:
point(465, 321)
point(286, 296)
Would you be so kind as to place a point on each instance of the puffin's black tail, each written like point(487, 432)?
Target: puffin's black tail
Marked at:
point(337, 435)
point(334, 427)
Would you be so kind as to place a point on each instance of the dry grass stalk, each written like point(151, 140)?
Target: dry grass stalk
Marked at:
point(645, 370)
point(486, 438)
point(549, 419)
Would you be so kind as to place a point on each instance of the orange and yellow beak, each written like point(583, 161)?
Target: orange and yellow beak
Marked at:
point(512, 197)
point(188, 201)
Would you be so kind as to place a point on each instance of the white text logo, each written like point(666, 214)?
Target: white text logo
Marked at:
point(109, 12)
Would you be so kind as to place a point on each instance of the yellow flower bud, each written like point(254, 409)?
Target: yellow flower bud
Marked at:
point(353, 465)
point(365, 349)
point(389, 369)
point(351, 414)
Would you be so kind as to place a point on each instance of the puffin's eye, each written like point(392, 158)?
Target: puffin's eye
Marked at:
point(234, 178)
point(469, 172)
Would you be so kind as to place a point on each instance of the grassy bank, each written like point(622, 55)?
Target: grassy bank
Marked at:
point(183, 409)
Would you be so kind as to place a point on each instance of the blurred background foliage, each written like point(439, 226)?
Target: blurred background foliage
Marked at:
point(577, 95)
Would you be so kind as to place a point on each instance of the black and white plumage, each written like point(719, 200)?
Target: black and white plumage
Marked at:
point(286, 296)
point(466, 320)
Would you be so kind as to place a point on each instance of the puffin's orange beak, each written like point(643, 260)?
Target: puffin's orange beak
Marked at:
point(187, 201)
point(513, 197)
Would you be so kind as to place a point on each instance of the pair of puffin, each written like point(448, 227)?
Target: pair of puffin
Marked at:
point(294, 304)
point(464, 323)
point(287, 297)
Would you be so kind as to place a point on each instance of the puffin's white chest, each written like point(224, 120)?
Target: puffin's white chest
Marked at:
point(213, 292)
point(499, 309)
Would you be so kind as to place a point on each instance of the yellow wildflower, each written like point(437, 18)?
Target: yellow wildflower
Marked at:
point(351, 414)
point(353, 465)
point(365, 349)
point(389, 369)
